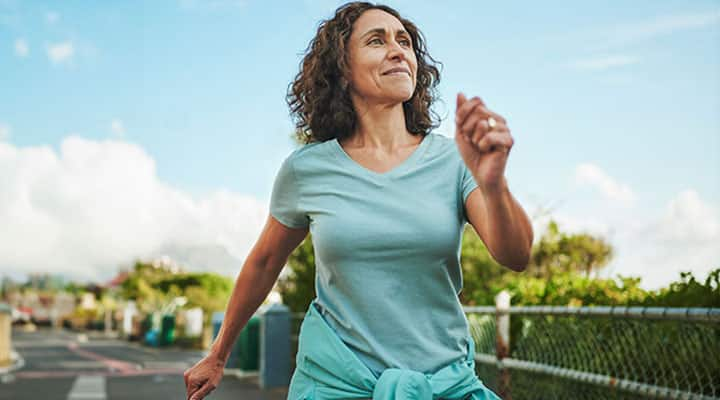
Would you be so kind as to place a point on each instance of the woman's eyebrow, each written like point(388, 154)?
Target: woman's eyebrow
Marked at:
point(382, 32)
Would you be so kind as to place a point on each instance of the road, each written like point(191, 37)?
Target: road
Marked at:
point(64, 365)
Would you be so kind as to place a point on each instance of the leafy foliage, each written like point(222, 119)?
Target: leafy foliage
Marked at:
point(298, 287)
point(557, 252)
point(688, 292)
point(153, 286)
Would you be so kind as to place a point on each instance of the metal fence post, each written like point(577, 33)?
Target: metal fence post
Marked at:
point(275, 346)
point(502, 346)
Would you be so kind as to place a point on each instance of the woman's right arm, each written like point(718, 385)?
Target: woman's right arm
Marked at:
point(257, 277)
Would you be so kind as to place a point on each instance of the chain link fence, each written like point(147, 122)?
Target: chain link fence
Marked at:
point(599, 352)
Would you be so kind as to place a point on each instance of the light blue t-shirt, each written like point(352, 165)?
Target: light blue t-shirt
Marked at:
point(387, 248)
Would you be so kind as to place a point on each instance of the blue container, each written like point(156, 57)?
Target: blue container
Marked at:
point(152, 338)
point(275, 346)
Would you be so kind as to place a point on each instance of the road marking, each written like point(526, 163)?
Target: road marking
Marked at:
point(111, 363)
point(70, 374)
point(88, 387)
point(72, 364)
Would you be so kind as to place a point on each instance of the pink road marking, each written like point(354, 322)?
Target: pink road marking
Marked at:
point(116, 368)
point(110, 363)
point(69, 374)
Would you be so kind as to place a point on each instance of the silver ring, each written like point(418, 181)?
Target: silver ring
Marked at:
point(491, 122)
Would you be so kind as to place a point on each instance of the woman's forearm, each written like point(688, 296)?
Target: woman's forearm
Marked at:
point(251, 288)
point(510, 230)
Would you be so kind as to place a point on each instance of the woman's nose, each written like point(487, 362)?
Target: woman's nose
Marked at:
point(396, 51)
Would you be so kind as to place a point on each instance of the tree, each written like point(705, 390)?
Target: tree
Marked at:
point(559, 252)
point(688, 292)
point(297, 288)
point(154, 286)
point(556, 257)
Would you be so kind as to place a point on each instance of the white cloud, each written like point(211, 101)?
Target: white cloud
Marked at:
point(21, 48)
point(683, 238)
point(587, 174)
point(624, 34)
point(117, 127)
point(61, 52)
point(4, 131)
point(687, 220)
point(97, 205)
point(52, 17)
point(604, 63)
point(611, 38)
point(655, 246)
point(661, 25)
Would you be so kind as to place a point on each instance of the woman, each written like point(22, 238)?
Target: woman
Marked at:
point(386, 201)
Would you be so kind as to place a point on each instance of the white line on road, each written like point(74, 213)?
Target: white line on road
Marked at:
point(88, 387)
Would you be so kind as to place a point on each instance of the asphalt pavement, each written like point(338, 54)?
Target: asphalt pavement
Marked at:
point(66, 365)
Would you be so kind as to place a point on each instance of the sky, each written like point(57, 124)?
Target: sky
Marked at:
point(145, 129)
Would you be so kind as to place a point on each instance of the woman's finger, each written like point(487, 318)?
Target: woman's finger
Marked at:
point(460, 100)
point(499, 118)
point(469, 125)
point(203, 391)
point(480, 130)
point(494, 139)
point(482, 109)
point(462, 113)
point(193, 387)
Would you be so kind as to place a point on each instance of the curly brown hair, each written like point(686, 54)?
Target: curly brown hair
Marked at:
point(319, 98)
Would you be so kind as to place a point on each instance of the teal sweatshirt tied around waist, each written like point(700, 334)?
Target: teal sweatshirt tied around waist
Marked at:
point(327, 369)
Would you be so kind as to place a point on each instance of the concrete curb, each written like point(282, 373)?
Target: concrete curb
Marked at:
point(239, 373)
point(17, 363)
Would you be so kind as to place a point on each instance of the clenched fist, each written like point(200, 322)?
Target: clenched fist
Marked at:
point(483, 147)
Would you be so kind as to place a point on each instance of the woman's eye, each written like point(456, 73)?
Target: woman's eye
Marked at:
point(404, 42)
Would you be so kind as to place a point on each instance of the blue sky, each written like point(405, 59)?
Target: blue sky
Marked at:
point(614, 108)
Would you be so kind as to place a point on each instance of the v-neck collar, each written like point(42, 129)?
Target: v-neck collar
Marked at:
point(395, 171)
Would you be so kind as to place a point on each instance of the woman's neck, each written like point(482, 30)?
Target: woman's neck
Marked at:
point(380, 127)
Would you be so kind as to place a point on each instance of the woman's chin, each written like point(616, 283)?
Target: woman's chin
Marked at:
point(400, 96)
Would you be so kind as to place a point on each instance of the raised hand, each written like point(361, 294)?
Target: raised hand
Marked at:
point(484, 148)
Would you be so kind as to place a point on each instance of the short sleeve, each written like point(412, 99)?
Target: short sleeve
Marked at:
point(467, 184)
point(285, 197)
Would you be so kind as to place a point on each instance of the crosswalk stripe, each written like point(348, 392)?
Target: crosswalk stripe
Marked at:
point(88, 387)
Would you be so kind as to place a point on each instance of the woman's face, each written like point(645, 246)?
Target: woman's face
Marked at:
point(379, 44)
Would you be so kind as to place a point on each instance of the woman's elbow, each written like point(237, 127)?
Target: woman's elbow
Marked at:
point(519, 264)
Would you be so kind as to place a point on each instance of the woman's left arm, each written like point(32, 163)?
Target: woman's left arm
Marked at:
point(484, 142)
point(502, 224)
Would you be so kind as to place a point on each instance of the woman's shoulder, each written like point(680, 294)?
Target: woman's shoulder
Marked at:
point(304, 150)
point(309, 155)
